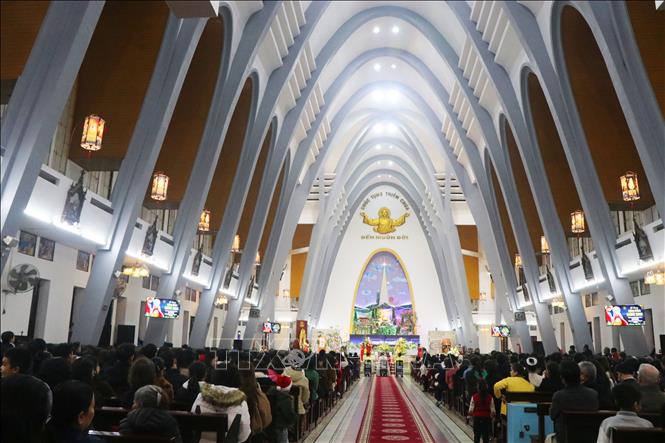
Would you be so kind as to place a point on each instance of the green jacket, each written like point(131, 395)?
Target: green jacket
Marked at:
point(313, 378)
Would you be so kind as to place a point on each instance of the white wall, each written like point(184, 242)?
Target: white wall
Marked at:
point(354, 252)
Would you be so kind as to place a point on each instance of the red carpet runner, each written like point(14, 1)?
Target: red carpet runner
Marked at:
point(390, 416)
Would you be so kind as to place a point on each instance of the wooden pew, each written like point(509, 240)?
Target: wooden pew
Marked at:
point(588, 423)
point(107, 419)
point(113, 437)
point(641, 435)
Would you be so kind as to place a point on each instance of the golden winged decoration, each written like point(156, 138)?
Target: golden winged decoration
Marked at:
point(384, 224)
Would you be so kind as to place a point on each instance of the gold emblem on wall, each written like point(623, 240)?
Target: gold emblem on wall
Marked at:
point(384, 224)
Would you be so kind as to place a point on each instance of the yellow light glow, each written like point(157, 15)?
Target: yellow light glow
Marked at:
point(93, 133)
point(160, 186)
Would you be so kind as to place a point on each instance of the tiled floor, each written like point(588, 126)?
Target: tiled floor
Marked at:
point(342, 426)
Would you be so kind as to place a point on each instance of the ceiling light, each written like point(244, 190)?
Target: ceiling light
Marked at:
point(378, 95)
point(392, 128)
point(378, 128)
point(377, 67)
point(390, 162)
point(376, 29)
point(393, 95)
point(395, 29)
point(393, 66)
point(377, 147)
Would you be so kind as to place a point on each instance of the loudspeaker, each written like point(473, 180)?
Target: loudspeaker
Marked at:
point(125, 334)
point(237, 345)
point(662, 342)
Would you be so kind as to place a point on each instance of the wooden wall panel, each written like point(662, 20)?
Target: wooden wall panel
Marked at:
point(302, 236)
point(183, 136)
point(114, 77)
point(19, 25)
point(471, 270)
point(605, 127)
point(468, 237)
point(298, 262)
point(559, 177)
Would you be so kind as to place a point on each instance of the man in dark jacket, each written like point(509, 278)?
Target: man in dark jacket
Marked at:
point(589, 379)
point(117, 375)
point(573, 397)
point(148, 416)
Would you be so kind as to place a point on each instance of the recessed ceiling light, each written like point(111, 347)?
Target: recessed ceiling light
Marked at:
point(392, 128)
point(395, 29)
point(390, 162)
point(376, 29)
point(378, 128)
point(393, 66)
point(377, 66)
point(377, 147)
point(393, 95)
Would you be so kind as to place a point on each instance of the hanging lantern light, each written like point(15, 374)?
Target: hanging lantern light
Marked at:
point(257, 260)
point(656, 277)
point(630, 188)
point(236, 244)
point(577, 222)
point(93, 133)
point(518, 261)
point(544, 246)
point(204, 221)
point(160, 186)
point(136, 270)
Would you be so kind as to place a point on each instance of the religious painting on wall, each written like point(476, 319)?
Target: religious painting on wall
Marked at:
point(83, 261)
point(46, 249)
point(27, 243)
point(384, 299)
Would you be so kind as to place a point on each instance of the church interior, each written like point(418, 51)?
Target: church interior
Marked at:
point(377, 195)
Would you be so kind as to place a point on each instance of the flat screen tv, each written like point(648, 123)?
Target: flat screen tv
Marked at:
point(500, 331)
point(271, 327)
point(624, 315)
point(162, 308)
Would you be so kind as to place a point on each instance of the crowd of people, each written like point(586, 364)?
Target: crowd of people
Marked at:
point(578, 381)
point(50, 392)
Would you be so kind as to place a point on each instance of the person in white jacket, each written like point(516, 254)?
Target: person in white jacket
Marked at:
point(218, 399)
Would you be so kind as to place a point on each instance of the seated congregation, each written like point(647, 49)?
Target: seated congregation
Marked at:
point(68, 393)
point(609, 397)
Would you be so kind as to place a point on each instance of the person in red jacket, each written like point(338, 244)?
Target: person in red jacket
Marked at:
point(482, 410)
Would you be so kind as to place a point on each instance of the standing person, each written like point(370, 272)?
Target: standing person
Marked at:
point(574, 397)
point(482, 410)
point(517, 382)
point(313, 378)
point(627, 397)
point(283, 413)
point(72, 413)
